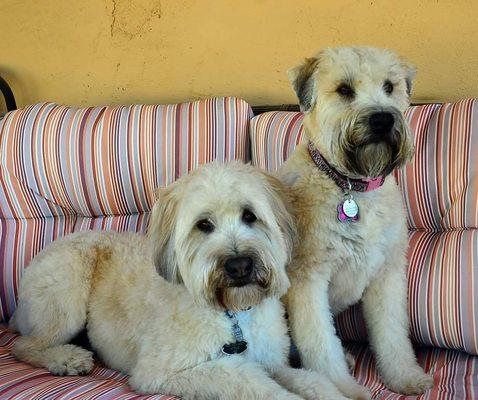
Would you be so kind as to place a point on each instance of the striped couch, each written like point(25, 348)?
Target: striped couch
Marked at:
point(64, 170)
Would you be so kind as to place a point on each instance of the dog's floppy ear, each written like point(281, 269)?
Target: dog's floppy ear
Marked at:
point(410, 72)
point(303, 82)
point(280, 205)
point(160, 232)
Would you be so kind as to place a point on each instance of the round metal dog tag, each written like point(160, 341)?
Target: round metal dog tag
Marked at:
point(350, 208)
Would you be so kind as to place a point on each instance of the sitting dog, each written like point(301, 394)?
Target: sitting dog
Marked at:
point(203, 320)
point(350, 214)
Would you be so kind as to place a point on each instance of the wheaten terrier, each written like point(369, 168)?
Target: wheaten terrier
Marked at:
point(350, 215)
point(203, 321)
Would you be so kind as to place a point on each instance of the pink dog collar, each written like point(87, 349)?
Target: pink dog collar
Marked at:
point(346, 184)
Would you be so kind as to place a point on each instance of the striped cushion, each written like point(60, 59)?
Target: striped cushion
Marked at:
point(21, 239)
point(454, 373)
point(274, 136)
point(443, 277)
point(60, 166)
point(441, 184)
point(440, 190)
point(58, 160)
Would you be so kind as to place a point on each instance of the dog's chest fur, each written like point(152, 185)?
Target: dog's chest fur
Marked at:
point(349, 254)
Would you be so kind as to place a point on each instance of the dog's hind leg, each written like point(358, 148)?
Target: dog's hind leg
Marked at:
point(52, 307)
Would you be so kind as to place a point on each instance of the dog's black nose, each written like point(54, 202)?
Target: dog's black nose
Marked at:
point(239, 267)
point(381, 123)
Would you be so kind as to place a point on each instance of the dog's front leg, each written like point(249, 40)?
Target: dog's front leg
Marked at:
point(385, 312)
point(314, 334)
point(309, 384)
point(228, 378)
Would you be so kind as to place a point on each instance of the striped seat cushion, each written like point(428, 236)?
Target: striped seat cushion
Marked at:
point(60, 166)
point(454, 373)
point(440, 190)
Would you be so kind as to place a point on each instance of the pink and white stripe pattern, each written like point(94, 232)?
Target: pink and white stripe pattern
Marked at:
point(441, 184)
point(274, 136)
point(455, 374)
point(58, 160)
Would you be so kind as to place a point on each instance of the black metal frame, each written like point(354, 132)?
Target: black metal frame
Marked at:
point(281, 107)
point(8, 95)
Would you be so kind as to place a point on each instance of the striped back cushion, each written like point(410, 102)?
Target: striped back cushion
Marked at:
point(274, 136)
point(442, 181)
point(108, 160)
point(440, 190)
point(64, 169)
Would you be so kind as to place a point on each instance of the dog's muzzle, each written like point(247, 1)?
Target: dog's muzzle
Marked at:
point(239, 270)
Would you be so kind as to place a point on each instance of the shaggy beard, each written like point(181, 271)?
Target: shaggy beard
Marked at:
point(367, 157)
point(240, 298)
point(371, 160)
point(221, 293)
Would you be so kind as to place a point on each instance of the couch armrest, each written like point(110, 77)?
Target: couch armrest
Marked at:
point(8, 95)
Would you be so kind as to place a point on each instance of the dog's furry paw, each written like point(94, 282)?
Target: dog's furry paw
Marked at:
point(353, 390)
point(322, 393)
point(324, 396)
point(361, 393)
point(70, 360)
point(413, 384)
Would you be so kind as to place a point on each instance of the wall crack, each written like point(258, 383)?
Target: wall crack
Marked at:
point(132, 19)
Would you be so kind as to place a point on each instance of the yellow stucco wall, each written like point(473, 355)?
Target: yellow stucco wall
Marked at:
point(89, 52)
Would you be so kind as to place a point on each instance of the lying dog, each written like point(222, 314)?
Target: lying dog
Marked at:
point(220, 239)
point(350, 214)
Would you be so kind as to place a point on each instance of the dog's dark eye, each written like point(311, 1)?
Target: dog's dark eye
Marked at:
point(248, 217)
point(388, 87)
point(345, 91)
point(204, 225)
